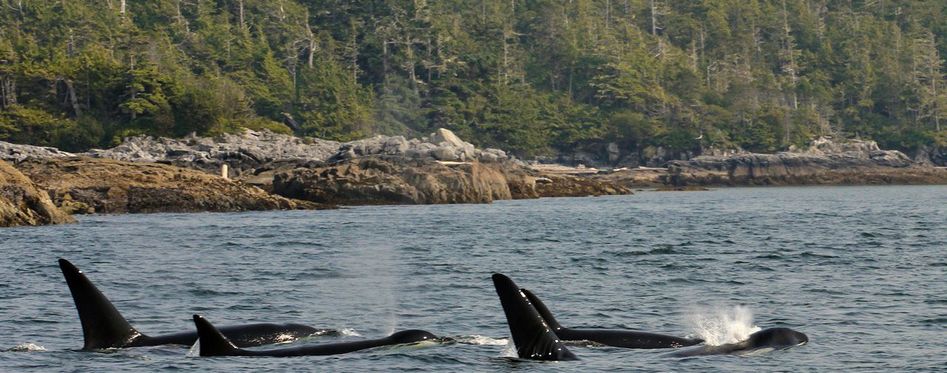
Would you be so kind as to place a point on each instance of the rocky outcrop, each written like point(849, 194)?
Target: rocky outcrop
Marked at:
point(824, 162)
point(248, 152)
point(15, 152)
point(241, 152)
point(378, 181)
point(931, 156)
point(23, 203)
point(576, 186)
point(442, 145)
point(373, 180)
point(110, 186)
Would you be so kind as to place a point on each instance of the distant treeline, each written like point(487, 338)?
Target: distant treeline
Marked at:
point(531, 76)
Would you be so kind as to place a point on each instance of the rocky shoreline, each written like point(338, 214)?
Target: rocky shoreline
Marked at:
point(267, 171)
point(90, 185)
point(823, 163)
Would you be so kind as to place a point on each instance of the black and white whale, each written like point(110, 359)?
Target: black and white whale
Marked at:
point(615, 338)
point(532, 336)
point(104, 327)
point(214, 343)
point(763, 340)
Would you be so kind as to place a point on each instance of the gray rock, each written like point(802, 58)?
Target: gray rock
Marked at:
point(445, 153)
point(613, 152)
point(445, 135)
point(492, 155)
point(16, 152)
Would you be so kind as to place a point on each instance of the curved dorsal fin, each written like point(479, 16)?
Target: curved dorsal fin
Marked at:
point(531, 335)
point(543, 311)
point(213, 342)
point(102, 325)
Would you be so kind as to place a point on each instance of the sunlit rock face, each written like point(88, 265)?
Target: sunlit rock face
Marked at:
point(23, 203)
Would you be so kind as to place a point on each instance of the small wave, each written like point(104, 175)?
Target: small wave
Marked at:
point(661, 250)
point(809, 254)
point(27, 347)
point(481, 340)
point(719, 326)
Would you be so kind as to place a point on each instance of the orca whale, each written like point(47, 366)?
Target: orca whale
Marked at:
point(772, 338)
point(615, 338)
point(214, 343)
point(104, 327)
point(532, 336)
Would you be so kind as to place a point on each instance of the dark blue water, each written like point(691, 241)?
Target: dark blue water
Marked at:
point(861, 270)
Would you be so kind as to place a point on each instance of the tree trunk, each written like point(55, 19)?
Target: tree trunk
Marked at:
point(935, 76)
point(410, 63)
point(7, 92)
point(181, 19)
point(73, 100)
point(243, 24)
point(654, 19)
point(790, 52)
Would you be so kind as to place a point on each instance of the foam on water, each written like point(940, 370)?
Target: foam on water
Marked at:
point(509, 350)
point(27, 347)
point(721, 325)
point(482, 340)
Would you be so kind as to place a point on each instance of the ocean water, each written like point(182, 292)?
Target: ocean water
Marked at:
point(861, 270)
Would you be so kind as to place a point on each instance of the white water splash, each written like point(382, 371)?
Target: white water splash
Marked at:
point(195, 350)
point(509, 350)
point(285, 338)
point(349, 332)
point(482, 340)
point(720, 325)
point(27, 347)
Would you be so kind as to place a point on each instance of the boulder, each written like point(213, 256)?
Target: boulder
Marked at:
point(445, 153)
point(23, 203)
point(443, 135)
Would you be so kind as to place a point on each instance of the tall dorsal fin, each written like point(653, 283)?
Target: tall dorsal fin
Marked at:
point(543, 311)
point(102, 325)
point(531, 335)
point(213, 342)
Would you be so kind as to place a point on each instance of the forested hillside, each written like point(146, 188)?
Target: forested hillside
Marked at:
point(532, 76)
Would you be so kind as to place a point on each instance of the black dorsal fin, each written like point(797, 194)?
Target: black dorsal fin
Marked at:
point(213, 342)
point(531, 335)
point(102, 325)
point(543, 311)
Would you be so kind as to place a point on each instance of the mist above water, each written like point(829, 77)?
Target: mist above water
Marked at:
point(722, 325)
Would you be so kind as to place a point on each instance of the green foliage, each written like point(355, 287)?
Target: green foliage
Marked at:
point(532, 77)
point(21, 124)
